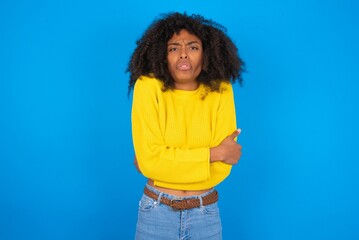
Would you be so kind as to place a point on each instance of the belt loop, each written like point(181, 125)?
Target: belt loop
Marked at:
point(158, 201)
point(200, 201)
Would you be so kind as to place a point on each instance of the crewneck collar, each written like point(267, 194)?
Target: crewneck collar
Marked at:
point(179, 92)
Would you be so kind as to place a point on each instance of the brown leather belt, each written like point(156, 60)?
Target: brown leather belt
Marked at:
point(183, 204)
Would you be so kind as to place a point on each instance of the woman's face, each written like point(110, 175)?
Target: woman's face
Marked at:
point(185, 59)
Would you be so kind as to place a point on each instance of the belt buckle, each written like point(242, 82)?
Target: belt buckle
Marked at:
point(174, 201)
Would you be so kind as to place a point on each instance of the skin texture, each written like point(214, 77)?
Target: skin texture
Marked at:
point(185, 60)
point(229, 151)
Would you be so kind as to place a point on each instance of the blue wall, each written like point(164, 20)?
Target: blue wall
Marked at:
point(66, 154)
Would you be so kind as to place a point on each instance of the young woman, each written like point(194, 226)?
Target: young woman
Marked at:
point(183, 124)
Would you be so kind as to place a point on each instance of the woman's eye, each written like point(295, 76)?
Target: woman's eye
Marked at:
point(193, 48)
point(172, 49)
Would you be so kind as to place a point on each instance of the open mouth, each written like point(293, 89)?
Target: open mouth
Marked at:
point(184, 66)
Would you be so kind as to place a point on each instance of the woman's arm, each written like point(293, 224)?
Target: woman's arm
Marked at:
point(227, 150)
point(163, 163)
point(155, 159)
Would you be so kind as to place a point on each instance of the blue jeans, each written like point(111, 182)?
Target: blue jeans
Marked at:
point(158, 221)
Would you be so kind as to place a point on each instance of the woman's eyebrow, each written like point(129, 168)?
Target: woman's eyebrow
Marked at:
point(191, 42)
point(174, 43)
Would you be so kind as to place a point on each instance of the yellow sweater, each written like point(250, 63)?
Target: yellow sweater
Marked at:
point(173, 130)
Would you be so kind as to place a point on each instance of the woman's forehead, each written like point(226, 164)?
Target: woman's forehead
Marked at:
point(184, 35)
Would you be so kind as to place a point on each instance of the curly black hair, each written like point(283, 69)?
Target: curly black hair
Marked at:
point(220, 55)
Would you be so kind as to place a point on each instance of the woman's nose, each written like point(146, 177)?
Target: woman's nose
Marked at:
point(183, 55)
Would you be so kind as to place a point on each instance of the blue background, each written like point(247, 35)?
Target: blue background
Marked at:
point(66, 153)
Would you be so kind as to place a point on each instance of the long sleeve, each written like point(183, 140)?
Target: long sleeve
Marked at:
point(156, 159)
point(225, 123)
point(173, 131)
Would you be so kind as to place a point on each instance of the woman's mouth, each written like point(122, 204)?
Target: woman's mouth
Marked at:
point(184, 66)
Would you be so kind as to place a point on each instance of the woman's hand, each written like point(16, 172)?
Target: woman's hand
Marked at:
point(229, 151)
